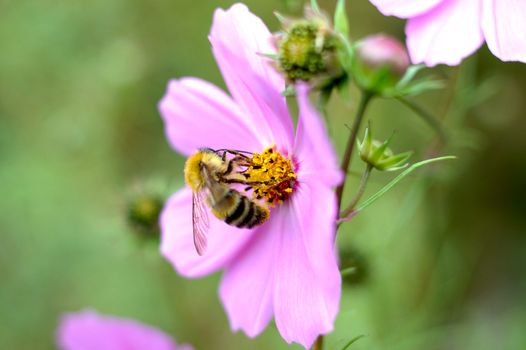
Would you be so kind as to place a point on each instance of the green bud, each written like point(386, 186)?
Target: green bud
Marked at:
point(308, 50)
point(143, 214)
point(378, 155)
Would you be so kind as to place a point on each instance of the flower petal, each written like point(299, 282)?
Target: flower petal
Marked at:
point(404, 8)
point(198, 114)
point(87, 330)
point(446, 34)
point(313, 150)
point(504, 26)
point(177, 243)
point(248, 283)
point(238, 39)
point(308, 282)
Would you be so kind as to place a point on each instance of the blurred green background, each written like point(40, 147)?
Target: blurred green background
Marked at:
point(441, 259)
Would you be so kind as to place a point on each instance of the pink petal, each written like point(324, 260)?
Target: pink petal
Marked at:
point(87, 331)
point(198, 114)
point(308, 283)
point(504, 26)
point(313, 150)
point(404, 8)
point(446, 34)
point(248, 283)
point(177, 243)
point(238, 39)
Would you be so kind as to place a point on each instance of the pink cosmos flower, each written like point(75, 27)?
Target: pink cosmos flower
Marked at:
point(287, 267)
point(447, 31)
point(88, 330)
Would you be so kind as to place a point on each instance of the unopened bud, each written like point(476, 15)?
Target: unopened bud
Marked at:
point(381, 50)
point(308, 50)
point(378, 155)
point(381, 61)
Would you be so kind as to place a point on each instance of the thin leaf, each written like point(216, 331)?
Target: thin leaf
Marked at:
point(420, 86)
point(348, 271)
point(397, 179)
point(272, 56)
point(353, 340)
point(409, 75)
point(341, 22)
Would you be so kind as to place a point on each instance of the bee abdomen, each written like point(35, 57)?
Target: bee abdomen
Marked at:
point(237, 211)
point(247, 213)
point(260, 215)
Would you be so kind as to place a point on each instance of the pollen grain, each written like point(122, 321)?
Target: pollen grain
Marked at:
point(271, 176)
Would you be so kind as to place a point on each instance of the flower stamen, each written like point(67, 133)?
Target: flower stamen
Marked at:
point(271, 176)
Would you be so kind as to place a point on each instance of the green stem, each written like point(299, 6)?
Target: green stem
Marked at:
point(359, 194)
point(351, 141)
point(434, 122)
point(352, 341)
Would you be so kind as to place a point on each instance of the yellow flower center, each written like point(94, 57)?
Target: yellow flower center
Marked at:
point(271, 176)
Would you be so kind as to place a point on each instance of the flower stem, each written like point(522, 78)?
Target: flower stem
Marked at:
point(318, 344)
point(434, 122)
point(351, 141)
point(359, 194)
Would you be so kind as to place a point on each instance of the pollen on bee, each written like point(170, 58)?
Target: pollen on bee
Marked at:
point(271, 176)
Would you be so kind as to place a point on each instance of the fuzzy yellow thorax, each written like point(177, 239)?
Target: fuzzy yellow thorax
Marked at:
point(271, 176)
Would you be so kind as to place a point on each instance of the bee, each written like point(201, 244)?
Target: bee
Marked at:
point(209, 173)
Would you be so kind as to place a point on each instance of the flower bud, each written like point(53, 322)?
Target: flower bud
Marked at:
point(381, 61)
point(381, 50)
point(379, 156)
point(308, 50)
point(143, 213)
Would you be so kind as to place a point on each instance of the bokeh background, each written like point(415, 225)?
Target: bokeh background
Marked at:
point(440, 261)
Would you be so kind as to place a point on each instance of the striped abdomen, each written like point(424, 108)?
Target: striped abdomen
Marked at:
point(238, 210)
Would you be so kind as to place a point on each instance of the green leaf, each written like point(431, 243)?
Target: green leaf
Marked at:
point(348, 271)
point(409, 75)
point(272, 56)
point(353, 340)
point(397, 179)
point(341, 22)
point(420, 86)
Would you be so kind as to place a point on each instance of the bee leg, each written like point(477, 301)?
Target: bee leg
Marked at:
point(239, 154)
point(229, 167)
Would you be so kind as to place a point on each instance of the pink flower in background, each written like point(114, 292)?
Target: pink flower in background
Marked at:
point(287, 267)
point(88, 330)
point(447, 31)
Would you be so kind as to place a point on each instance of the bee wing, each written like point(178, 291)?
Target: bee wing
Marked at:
point(200, 221)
